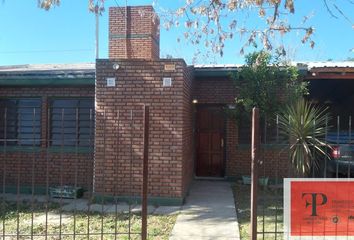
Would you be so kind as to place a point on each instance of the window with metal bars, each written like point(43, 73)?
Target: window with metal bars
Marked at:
point(20, 121)
point(269, 132)
point(72, 122)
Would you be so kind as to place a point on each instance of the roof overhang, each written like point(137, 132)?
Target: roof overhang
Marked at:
point(83, 74)
point(211, 71)
point(48, 75)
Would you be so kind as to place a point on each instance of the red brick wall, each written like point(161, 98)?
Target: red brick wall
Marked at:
point(214, 91)
point(274, 162)
point(40, 167)
point(140, 82)
point(232, 158)
point(61, 167)
point(134, 36)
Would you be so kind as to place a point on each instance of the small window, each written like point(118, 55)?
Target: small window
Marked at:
point(20, 122)
point(244, 131)
point(269, 132)
point(72, 122)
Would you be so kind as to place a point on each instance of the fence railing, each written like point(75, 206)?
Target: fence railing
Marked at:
point(55, 185)
point(274, 161)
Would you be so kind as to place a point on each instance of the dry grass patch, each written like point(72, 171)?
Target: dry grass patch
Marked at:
point(24, 220)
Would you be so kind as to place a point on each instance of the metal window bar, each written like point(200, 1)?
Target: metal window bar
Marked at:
point(91, 196)
point(350, 143)
point(33, 172)
point(4, 173)
point(326, 137)
point(61, 170)
point(18, 189)
point(47, 173)
point(76, 167)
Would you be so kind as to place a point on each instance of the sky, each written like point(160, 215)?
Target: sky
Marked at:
point(66, 34)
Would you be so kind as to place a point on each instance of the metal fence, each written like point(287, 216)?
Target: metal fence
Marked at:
point(48, 173)
point(271, 163)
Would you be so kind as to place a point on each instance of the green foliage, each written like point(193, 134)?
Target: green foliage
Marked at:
point(305, 126)
point(267, 83)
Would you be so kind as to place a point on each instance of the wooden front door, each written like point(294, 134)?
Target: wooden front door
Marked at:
point(210, 128)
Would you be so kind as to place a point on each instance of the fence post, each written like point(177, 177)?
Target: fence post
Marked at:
point(254, 171)
point(145, 175)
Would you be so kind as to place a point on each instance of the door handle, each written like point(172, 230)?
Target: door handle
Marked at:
point(222, 143)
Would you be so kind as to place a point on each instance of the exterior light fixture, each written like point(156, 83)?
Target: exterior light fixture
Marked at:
point(231, 106)
point(195, 101)
point(116, 66)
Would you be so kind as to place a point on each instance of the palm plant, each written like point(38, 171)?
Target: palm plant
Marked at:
point(305, 126)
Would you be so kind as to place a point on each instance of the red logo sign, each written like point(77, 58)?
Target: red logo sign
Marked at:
point(318, 207)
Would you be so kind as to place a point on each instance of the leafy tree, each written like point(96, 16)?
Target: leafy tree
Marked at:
point(267, 83)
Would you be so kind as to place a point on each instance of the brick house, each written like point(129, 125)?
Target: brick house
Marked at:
point(80, 131)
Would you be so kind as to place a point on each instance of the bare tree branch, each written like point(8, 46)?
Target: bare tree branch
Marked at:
point(214, 22)
point(329, 10)
point(275, 15)
point(342, 13)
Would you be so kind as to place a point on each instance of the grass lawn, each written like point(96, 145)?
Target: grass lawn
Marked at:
point(269, 212)
point(159, 227)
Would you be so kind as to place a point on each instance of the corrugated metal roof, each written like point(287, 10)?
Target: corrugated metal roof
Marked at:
point(90, 67)
point(48, 68)
point(325, 64)
point(217, 65)
point(79, 71)
point(300, 65)
point(48, 74)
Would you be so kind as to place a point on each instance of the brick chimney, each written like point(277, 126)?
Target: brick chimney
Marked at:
point(134, 33)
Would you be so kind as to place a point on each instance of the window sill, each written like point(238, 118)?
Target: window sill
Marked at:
point(29, 149)
point(66, 149)
point(263, 146)
point(52, 149)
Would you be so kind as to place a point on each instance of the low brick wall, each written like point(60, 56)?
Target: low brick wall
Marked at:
point(42, 169)
point(274, 162)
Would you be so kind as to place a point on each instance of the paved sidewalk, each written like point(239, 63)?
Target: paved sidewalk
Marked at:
point(209, 213)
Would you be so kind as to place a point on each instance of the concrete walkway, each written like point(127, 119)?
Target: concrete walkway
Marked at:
point(209, 213)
